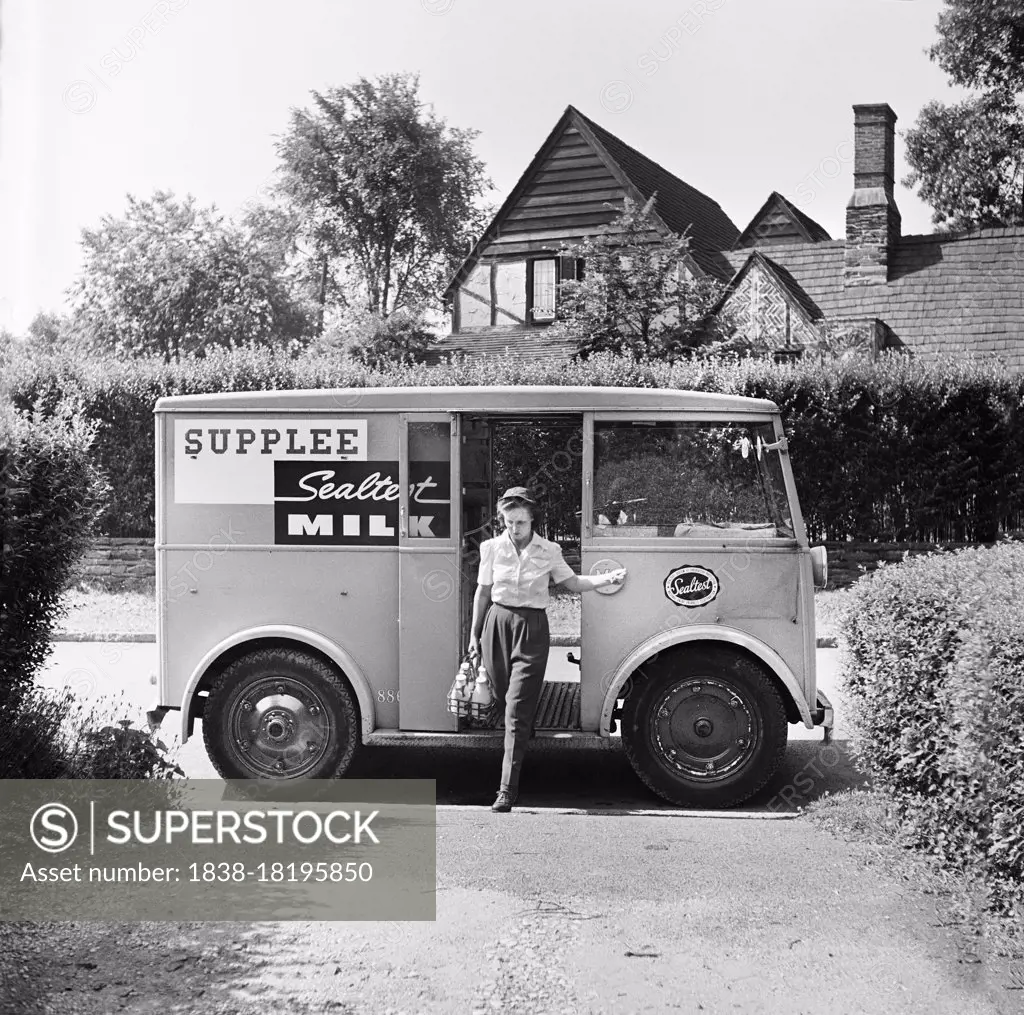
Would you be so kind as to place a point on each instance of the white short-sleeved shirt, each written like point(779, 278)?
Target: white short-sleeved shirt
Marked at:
point(521, 580)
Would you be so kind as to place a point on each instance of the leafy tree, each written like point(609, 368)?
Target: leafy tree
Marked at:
point(49, 333)
point(379, 342)
point(968, 157)
point(981, 43)
point(9, 350)
point(46, 330)
point(386, 192)
point(171, 278)
point(637, 296)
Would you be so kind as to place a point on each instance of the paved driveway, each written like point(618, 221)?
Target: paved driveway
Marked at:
point(549, 909)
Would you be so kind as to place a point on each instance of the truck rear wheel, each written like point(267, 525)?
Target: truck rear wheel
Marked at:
point(707, 728)
point(280, 714)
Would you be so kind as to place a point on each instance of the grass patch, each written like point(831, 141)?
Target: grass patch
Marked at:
point(869, 818)
point(89, 609)
point(857, 815)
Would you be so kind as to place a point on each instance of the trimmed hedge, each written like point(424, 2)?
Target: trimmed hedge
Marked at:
point(50, 496)
point(935, 670)
point(895, 451)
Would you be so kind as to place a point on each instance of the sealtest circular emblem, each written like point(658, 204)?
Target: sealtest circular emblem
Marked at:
point(691, 585)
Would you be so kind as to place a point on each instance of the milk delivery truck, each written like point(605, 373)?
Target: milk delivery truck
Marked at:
point(317, 551)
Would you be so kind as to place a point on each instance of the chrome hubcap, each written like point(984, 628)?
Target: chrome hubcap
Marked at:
point(703, 728)
point(281, 727)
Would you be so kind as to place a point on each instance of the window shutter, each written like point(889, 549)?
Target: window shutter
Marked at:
point(570, 269)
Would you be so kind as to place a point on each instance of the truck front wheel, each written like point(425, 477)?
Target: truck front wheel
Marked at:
point(707, 728)
point(280, 713)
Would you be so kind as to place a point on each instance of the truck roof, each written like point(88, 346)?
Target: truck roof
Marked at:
point(485, 398)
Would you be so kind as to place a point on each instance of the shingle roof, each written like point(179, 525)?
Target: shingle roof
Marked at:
point(804, 224)
point(818, 233)
point(679, 205)
point(946, 294)
point(790, 284)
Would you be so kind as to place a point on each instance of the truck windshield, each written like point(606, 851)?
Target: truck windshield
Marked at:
point(688, 480)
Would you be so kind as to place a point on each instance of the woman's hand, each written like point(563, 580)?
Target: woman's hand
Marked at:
point(616, 577)
point(474, 647)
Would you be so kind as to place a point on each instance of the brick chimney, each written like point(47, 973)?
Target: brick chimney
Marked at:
point(872, 218)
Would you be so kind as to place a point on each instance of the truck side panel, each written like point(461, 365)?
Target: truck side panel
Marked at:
point(225, 567)
point(757, 591)
point(348, 597)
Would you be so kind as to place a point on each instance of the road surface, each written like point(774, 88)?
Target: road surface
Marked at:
point(566, 905)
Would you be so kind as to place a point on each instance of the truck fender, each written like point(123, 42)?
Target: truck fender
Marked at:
point(701, 632)
point(338, 655)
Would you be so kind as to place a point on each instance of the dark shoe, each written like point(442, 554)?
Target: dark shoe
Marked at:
point(502, 803)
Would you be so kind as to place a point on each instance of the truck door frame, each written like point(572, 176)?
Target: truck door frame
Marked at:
point(428, 598)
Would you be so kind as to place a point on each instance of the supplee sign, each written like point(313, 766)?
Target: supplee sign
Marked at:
point(231, 461)
point(316, 475)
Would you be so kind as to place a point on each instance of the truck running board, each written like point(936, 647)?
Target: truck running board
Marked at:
point(546, 739)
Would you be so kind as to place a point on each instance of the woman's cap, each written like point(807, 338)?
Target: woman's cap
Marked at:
point(519, 493)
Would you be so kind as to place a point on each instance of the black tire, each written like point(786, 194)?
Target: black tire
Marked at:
point(706, 728)
point(294, 714)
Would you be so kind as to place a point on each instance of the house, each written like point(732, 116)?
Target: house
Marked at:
point(503, 295)
point(789, 285)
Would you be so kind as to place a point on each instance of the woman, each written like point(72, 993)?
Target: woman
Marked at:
point(515, 569)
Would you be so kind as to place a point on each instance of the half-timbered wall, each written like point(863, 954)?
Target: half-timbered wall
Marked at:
point(571, 196)
point(765, 317)
point(475, 298)
point(510, 294)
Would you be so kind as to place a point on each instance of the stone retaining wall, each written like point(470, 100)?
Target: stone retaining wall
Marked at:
point(116, 563)
point(849, 561)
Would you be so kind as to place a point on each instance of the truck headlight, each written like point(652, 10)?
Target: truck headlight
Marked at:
point(819, 566)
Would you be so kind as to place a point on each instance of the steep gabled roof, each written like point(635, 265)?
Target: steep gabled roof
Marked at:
point(789, 286)
point(677, 205)
point(780, 221)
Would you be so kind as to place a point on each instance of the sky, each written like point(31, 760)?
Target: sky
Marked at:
point(103, 99)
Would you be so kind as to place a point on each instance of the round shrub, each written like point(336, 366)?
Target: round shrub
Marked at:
point(934, 665)
point(51, 494)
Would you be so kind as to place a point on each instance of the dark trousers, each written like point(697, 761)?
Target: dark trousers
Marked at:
point(514, 645)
